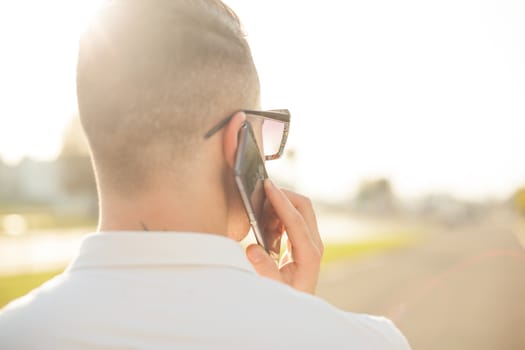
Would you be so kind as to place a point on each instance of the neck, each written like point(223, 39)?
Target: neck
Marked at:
point(197, 209)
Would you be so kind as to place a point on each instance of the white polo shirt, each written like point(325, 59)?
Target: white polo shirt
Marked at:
point(133, 290)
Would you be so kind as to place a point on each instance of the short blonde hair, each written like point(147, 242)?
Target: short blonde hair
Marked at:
point(153, 75)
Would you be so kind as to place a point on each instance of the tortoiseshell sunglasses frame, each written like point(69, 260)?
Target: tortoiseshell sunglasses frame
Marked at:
point(282, 115)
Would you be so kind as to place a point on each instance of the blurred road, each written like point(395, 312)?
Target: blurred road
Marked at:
point(461, 288)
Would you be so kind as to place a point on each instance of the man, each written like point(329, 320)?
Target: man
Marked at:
point(165, 270)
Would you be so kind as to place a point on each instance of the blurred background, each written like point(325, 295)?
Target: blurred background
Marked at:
point(407, 121)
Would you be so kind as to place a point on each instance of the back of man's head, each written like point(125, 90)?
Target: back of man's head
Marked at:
point(152, 76)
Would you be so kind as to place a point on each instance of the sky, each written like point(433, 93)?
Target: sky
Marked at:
point(37, 74)
point(428, 94)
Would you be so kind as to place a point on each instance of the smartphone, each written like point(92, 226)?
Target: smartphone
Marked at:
point(250, 173)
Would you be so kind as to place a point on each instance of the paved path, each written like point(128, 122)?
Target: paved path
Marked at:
point(461, 288)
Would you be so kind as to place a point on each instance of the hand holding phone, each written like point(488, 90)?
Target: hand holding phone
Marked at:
point(301, 262)
point(250, 174)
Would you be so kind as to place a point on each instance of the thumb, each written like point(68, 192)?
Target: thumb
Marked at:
point(262, 263)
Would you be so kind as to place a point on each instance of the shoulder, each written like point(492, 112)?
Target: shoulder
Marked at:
point(26, 319)
point(318, 320)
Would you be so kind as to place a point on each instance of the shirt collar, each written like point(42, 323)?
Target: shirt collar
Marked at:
point(150, 249)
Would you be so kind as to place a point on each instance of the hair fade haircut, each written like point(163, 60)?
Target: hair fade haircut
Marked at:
point(152, 75)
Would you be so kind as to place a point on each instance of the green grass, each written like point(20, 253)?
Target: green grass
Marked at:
point(339, 251)
point(12, 287)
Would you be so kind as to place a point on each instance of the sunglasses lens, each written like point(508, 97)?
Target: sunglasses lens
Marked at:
point(272, 132)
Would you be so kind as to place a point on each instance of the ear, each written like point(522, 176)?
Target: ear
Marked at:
point(230, 137)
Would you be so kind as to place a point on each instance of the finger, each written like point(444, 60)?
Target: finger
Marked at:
point(296, 227)
point(262, 263)
point(305, 207)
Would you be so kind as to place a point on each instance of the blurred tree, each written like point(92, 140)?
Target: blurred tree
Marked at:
point(75, 166)
point(518, 200)
point(74, 142)
point(370, 189)
point(375, 196)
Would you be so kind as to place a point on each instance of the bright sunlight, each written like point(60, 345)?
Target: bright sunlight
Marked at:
point(39, 41)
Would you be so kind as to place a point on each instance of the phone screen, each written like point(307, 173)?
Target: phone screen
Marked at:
point(250, 174)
